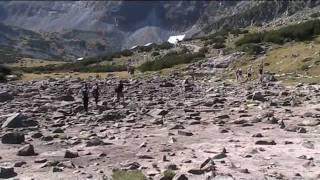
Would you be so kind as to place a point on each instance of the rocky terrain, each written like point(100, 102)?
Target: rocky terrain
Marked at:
point(72, 29)
point(199, 127)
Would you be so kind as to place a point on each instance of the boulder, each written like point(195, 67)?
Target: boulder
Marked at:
point(158, 112)
point(5, 96)
point(7, 172)
point(27, 150)
point(185, 133)
point(258, 96)
point(71, 154)
point(12, 138)
point(265, 142)
point(180, 177)
point(14, 121)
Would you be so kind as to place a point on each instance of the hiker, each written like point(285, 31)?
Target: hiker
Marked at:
point(261, 72)
point(85, 96)
point(131, 70)
point(96, 93)
point(239, 74)
point(249, 73)
point(238, 71)
point(119, 91)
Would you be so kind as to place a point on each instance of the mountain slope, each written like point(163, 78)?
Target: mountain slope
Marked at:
point(71, 29)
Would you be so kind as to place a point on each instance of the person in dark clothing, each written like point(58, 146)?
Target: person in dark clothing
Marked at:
point(85, 97)
point(96, 93)
point(119, 91)
point(261, 72)
point(249, 73)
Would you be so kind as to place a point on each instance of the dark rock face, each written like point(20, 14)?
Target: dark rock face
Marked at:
point(12, 138)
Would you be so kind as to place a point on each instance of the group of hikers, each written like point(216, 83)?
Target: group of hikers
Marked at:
point(240, 78)
point(95, 90)
point(96, 93)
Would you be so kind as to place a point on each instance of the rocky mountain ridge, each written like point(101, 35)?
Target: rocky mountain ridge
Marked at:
point(108, 26)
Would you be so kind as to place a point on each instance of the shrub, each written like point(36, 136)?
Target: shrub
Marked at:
point(2, 77)
point(144, 48)
point(128, 175)
point(298, 32)
point(252, 49)
point(168, 174)
point(126, 53)
point(165, 45)
point(315, 15)
point(5, 70)
point(170, 60)
point(250, 38)
point(204, 50)
point(304, 67)
point(219, 46)
point(155, 53)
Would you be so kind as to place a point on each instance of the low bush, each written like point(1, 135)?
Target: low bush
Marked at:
point(298, 32)
point(170, 60)
point(219, 46)
point(128, 175)
point(315, 15)
point(126, 53)
point(252, 49)
point(165, 45)
point(155, 53)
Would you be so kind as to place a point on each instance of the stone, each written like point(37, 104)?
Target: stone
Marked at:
point(171, 166)
point(71, 154)
point(131, 166)
point(94, 142)
point(5, 96)
point(281, 124)
point(37, 135)
point(207, 161)
point(58, 130)
point(308, 144)
point(47, 138)
point(7, 172)
point(246, 171)
point(258, 96)
point(14, 121)
point(19, 163)
point(180, 177)
point(27, 150)
point(185, 133)
point(257, 135)
point(309, 122)
point(158, 113)
point(196, 171)
point(301, 130)
point(239, 121)
point(43, 160)
point(56, 169)
point(144, 156)
point(219, 156)
point(13, 138)
point(265, 142)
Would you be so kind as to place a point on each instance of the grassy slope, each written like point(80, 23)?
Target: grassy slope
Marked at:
point(294, 62)
point(29, 62)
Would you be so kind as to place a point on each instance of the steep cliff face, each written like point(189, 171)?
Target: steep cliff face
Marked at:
point(84, 28)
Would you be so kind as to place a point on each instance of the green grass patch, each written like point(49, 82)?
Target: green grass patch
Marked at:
point(128, 175)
